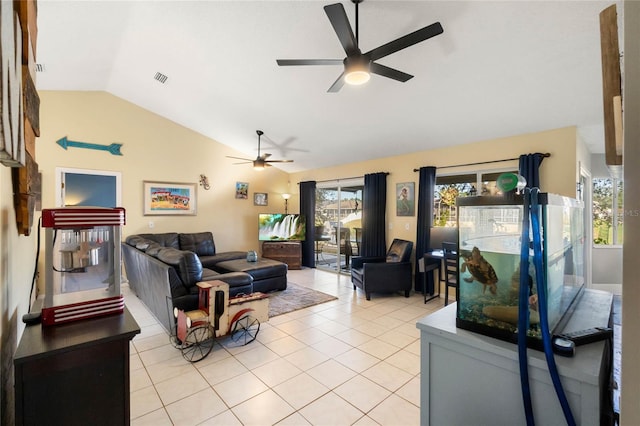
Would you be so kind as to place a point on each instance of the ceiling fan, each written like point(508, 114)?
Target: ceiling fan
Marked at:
point(358, 66)
point(261, 161)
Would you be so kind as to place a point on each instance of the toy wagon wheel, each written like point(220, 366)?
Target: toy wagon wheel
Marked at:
point(245, 329)
point(198, 343)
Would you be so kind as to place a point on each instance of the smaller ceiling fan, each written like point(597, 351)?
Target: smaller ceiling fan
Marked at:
point(261, 160)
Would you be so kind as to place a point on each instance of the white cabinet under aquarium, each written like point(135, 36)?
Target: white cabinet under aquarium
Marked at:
point(468, 378)
point(469, 357)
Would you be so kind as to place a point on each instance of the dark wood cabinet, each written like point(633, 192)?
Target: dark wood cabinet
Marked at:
point(75, 373)
point(289, 252)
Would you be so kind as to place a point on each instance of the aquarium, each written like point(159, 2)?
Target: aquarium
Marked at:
point(489, 243)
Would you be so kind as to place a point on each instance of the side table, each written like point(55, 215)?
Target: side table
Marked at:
point(75, 373)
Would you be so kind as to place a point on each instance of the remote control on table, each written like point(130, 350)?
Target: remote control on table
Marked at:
point(589, 335)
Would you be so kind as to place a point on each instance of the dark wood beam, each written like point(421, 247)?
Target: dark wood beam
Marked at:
point(611, 81)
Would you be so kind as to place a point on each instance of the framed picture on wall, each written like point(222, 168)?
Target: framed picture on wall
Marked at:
point(242, 190)
point(260, 199)
point(405, 199)
point(169, 198)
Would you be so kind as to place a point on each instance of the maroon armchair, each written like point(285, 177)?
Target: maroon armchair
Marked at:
point(388, 274)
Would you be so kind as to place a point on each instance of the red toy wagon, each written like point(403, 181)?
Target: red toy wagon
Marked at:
point(218, 315)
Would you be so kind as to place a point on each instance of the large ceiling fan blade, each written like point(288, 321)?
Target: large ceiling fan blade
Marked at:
point(279, 161)
point(239, 158)
point(244, 162)
point(289, 62)
point(390, 72)
point(338, 18)
point(337, 85)
point(405, 41)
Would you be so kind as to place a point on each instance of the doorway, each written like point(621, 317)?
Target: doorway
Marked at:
point(585, 194)
point(338, 223)
point(83, 187)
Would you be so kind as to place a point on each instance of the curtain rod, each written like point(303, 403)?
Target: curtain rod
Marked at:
point(347, 178)
point(545, 155)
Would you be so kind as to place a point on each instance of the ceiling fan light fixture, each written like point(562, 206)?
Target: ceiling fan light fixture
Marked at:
point(356, 71)
point(357, 77)
point(258, 166)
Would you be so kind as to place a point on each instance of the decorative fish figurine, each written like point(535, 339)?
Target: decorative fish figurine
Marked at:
point(480, 270)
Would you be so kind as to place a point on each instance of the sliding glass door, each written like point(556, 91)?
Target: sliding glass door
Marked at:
point(338, 223)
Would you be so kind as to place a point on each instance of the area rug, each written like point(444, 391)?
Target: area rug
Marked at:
point(295, 297)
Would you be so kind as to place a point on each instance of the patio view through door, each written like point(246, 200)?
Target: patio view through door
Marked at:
point(338, 223)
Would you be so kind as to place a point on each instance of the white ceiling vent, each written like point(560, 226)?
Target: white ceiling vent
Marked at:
point(161, 77)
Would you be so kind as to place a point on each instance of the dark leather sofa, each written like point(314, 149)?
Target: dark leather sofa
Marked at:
point(163, 270)
point(388, 274)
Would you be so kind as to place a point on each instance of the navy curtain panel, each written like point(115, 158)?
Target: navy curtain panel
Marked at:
point(308, 209)
point(528, 168)
point(374, 207)
point(426, 186)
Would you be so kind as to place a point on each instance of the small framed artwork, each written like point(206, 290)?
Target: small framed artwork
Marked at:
point(242, 190)
point(405, 199)
point(260, 199)
point(169, 198)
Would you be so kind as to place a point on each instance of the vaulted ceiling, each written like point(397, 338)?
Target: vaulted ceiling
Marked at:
point(500, 68)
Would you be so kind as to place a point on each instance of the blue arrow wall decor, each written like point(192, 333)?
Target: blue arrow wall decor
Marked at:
point(114, 148)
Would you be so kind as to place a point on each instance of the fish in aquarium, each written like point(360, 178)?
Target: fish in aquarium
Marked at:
point(509, 313)
point(480, 270)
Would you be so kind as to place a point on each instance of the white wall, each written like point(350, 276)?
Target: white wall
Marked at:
point(630, 409)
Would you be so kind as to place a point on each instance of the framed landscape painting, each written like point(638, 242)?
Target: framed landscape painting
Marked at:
point(169, 198)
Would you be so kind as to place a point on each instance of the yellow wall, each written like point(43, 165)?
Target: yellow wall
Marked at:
point(558, 172)
point(155, 149)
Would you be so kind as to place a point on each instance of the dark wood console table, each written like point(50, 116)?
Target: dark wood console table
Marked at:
point(289, 252)
point(75, 373)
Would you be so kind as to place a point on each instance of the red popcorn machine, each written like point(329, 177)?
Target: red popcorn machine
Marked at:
point(82, 263)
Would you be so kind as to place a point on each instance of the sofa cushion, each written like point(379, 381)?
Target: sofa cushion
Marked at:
point(134, 240)
point(239, 282)
point(186, 264)
point(201, 243)
point(153, 248)
point(167, 239)
point(211, 262)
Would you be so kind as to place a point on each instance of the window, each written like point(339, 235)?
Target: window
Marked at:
point(448, 188)
point(607, 211)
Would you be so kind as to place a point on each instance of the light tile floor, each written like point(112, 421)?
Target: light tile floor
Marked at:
point(349, 361)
